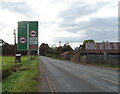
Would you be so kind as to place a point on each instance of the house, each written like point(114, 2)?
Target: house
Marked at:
point(67, 55)
point(102, 53)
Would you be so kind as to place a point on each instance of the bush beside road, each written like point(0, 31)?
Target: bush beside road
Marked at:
point(54, 56)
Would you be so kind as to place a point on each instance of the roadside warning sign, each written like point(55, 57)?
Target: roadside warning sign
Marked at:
point(22, 40)
point(33, 33)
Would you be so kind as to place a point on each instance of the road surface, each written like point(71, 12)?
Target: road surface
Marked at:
point(64, 76)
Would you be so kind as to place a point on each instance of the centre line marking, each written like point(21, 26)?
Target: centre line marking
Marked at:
point(110, 80)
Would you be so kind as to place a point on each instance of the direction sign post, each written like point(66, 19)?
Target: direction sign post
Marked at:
point(22, 32)
point(33, 36)
point(28, 36)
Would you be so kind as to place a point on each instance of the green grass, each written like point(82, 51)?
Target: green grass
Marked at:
point(24, 80)
point(7, 61)
point(1, 63)
point(6, 66)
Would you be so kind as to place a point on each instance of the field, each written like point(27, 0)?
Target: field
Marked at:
point(24, 79)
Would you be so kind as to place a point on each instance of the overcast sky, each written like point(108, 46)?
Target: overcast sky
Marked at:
point(70, 21)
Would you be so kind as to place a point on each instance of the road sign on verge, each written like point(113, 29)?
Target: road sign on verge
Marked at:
point(27, 35)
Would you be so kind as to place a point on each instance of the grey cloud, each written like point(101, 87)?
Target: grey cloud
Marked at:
point(102, 29)
point(19, 7)
point(99, 29)
point(80, 9)
point(68, 39)
point(74, 11)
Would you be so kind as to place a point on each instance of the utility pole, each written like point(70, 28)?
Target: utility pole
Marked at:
point(14, 33)
point(59, 43)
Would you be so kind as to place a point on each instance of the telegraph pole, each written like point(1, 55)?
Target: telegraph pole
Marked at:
point(14, 33)
point(59, 43)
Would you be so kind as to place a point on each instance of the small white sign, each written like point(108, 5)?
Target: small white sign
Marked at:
point(18, 54)
point(33, 40)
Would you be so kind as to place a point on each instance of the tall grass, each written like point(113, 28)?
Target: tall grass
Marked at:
point(24, 80)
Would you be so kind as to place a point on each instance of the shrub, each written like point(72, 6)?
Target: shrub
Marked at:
point(5, 73)
point(49, 55)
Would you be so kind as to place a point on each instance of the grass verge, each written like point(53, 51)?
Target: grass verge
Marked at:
point(25, 79)
point(99, 65)
point(7, 61)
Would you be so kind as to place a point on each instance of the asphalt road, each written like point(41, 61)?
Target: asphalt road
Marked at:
point(63, 76)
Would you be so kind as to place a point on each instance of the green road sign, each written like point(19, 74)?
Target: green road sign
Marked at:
point(33, 35)
point(27, 35)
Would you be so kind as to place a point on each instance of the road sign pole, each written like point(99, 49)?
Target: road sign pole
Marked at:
point(28, 43)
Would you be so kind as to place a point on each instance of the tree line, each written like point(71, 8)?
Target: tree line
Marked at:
point(44, 49)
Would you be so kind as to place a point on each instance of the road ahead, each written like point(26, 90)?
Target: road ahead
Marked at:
point(63, 76)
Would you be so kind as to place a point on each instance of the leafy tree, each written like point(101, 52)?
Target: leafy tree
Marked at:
point(43, 49)
point(84, 43)
point(67, 47)
point(58, 50)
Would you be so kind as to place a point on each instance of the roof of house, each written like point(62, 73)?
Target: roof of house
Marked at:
point(65, 53)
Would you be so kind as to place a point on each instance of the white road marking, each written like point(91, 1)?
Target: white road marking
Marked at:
point(110, 80)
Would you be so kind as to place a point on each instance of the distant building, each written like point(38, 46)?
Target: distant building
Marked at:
point(103, 53)
point(103, 47)
point(67, 55)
